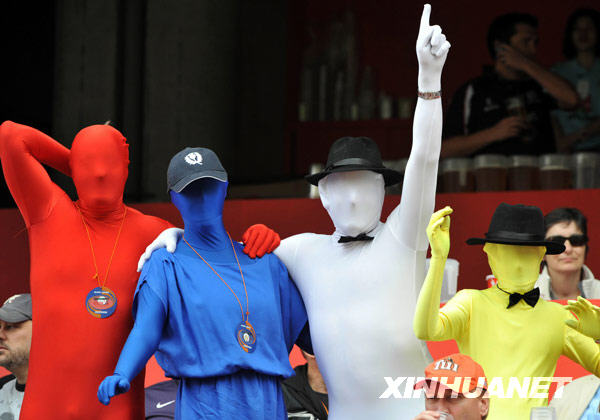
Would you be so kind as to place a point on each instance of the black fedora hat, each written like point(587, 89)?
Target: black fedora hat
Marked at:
point(355, 154)
point(518, 225)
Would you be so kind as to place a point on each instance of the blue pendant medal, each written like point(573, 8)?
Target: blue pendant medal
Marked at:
point(244, 331)
point(246, 336)
point(101, 302)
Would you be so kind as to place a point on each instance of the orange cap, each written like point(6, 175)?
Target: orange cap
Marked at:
point(457, 372)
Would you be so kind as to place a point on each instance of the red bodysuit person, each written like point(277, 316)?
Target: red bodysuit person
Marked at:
point(74, 348)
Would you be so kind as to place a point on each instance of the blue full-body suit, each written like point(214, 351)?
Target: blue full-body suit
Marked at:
point(186, 313)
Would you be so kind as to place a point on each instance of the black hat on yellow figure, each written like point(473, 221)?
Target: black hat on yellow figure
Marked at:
point(518, 225)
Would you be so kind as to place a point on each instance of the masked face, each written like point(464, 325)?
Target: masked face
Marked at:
point(516, 267)
point(99, 160)
point(200, 201)
point(353, 200)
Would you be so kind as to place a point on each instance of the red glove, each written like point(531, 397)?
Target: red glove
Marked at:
point(259, 240)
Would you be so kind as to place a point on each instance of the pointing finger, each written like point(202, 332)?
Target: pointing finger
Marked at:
point(425, 19)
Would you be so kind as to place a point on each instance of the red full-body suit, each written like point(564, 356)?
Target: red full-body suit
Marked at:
point(71, 350)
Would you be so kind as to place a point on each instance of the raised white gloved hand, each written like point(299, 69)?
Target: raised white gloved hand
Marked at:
point(167, 239)
point(432, 49)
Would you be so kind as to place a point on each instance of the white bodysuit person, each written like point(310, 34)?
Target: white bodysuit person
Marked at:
point(361, 296)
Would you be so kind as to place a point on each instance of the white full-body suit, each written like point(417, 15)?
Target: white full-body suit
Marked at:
point(361, 296)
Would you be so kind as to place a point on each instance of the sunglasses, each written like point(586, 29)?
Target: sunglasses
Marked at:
point(575, 240)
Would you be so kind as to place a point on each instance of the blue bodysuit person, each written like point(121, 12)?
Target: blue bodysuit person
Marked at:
point(220, 321)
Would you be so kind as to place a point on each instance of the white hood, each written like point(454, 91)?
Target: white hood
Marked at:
point(353, 200)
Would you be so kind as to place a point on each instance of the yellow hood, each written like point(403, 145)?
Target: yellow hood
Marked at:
point(515, 266)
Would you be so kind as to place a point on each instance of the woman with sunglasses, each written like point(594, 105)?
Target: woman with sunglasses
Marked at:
point(565, 276)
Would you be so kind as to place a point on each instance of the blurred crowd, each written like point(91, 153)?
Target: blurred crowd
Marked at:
point(521, 126)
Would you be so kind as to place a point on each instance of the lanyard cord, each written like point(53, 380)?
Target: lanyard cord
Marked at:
point(229, 287)
point(97, 275)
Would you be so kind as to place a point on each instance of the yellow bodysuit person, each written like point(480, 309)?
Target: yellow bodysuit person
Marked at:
point(524, 340)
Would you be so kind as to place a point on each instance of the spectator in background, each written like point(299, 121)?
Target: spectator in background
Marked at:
point(305, 394)
point(565, 276)
point(445, 385)
point(15, 342)
point(579, 129)
point(507, 109)
point(580, 399)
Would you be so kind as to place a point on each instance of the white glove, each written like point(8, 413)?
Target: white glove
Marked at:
point(167, 239)
point(432, 49)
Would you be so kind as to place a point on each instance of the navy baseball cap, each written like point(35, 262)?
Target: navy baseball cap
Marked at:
point(193, 163)
point(17, 308)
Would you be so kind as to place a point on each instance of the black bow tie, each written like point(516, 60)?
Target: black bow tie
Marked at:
point(361, 237)
point(530, 297)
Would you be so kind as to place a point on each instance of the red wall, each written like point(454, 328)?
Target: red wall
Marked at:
point(472, 213)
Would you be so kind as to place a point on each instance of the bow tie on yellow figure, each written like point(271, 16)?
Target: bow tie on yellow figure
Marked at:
point(516, 268)
point(508, 334)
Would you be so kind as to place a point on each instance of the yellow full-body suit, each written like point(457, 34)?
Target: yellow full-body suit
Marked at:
point(521, 341)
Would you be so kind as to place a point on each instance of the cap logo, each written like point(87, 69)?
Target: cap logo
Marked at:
point(446, 364)
point(194, 158)
point(10, 299)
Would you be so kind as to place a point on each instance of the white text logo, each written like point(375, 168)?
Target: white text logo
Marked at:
point(528, 387)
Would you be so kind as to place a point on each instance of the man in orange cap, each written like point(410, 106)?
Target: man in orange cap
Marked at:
point(454, 385)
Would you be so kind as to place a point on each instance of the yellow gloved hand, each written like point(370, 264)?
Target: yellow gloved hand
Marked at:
point(438, 232)
point(588, 315)
point(426, 323)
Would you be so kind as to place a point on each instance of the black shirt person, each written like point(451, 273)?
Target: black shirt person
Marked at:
point(506, 110)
